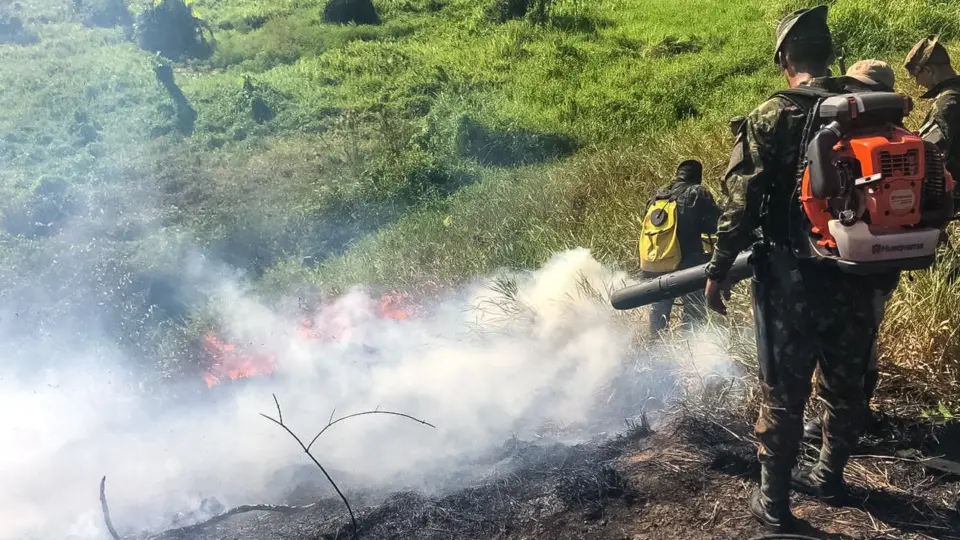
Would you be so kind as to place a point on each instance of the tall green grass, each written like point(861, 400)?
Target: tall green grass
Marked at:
point(417, 153)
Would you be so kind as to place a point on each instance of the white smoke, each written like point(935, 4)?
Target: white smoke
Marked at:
point(481, 367)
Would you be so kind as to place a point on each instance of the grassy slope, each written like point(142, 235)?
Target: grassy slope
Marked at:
point(438, 128)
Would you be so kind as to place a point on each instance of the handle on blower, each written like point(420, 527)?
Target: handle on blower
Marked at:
point(676, 284)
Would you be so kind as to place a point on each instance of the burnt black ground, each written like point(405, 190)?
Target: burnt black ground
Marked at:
point(686, 480)
point(536, 483)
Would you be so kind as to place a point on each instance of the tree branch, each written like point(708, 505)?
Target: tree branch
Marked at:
point(330, 423)
point(353, 518)
point(342, 418)
point(106, 510)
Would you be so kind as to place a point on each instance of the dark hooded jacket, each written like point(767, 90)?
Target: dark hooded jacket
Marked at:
point(697, 213)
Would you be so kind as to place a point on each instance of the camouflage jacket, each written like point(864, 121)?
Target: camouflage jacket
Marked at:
point(764, 160)
point(942, 123)
point(697, 213)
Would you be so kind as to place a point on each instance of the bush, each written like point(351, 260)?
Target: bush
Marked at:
point(501, 11)
point(350, 11)
point(172, 29)
point(12, 30)
point(103, 13)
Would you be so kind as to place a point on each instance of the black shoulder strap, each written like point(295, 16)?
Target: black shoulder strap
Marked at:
point(804, 97)
point(805, 91)
point(663, 193)
point(807, 99)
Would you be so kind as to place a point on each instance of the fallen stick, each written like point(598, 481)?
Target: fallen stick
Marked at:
point(106, 510)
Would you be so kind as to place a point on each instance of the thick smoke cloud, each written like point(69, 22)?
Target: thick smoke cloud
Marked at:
point(482, 366)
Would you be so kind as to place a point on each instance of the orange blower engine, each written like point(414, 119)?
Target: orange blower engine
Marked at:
point(875, 195)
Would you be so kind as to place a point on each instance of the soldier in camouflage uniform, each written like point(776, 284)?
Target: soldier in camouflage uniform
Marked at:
point(929, 64)
point(697, 215)
point(805, 314)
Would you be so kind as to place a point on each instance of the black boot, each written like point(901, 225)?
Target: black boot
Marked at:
point(827, 488)
point(777, 516)
point(770, 503)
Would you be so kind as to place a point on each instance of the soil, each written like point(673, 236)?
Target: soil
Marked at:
point(689, 480)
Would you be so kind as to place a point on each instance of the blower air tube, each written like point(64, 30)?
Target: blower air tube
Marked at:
point(824, 178)
point(676, 284)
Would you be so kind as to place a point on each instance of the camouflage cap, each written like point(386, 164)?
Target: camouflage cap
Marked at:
point(802, 24)
point(873, 73)
point(927, 51)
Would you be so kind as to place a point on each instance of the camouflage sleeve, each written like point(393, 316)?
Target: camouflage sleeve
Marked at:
point(747, 177)
point(942, 122)
point(708, 211)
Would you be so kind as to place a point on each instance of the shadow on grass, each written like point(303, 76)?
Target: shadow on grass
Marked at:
point(510, 147)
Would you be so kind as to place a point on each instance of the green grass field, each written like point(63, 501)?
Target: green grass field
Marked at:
point(435, 147)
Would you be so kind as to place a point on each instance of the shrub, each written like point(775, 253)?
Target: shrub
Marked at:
point(350, 11)
point(12, 30)
point(501, 11)
point(171, 28)
point(103, 13)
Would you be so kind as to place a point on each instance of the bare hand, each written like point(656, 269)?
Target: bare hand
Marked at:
point(716, 292)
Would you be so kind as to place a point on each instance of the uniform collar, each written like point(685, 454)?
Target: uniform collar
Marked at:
point(833, 84)
point(952, 82)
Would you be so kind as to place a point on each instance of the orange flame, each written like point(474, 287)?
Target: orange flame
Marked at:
point(393, 306)
point(230, 363)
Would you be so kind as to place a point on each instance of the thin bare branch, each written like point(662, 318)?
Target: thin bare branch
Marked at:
point(354, 415)
point(106, 510)
point(279, 412)
point(331, 422)
point(353, 518)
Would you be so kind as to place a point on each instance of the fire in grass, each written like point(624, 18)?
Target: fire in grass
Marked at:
point(331, 321)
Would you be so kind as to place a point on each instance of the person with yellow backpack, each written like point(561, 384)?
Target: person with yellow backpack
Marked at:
point(678, 217)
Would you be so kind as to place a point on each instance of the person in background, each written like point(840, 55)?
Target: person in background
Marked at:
point(677, 218)
point(929, 64)
point(870, 76)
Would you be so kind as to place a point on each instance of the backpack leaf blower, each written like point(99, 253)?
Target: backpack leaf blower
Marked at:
point(874, 196)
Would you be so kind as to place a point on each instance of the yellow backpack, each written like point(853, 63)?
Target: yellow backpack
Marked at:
point(659, 245)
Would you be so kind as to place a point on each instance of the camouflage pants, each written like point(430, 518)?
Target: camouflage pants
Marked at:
point(808, 317)
point(880, 300)
point(694, 309)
